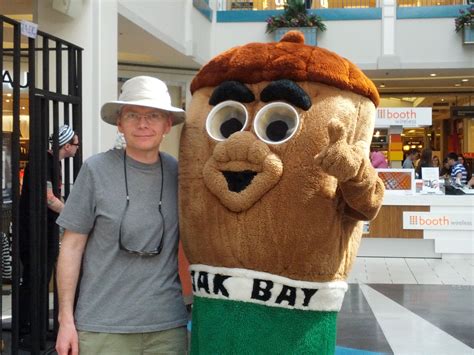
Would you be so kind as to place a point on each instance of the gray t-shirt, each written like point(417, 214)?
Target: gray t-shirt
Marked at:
point(120, 292)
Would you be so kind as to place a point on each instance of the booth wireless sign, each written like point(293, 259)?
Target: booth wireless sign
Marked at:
point(403, 116)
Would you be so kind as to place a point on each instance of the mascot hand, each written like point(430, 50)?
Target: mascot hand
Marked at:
point(339, 159)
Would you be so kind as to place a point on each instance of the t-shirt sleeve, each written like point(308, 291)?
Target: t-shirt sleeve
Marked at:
point(78, 214)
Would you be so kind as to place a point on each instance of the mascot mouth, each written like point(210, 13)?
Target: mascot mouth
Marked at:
point(238, 185)
point(238, 180)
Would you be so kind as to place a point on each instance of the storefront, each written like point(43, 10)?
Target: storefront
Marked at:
point(400, 129)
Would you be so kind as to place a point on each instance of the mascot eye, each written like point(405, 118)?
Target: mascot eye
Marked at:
point(225, 119)
point(276, 123)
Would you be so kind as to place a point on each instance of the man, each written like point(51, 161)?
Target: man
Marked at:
point(121, 221)
point(68, 143)
point(411, 156)
point(458, 171)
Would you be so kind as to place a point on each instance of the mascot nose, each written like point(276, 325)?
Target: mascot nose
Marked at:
point(241, 146)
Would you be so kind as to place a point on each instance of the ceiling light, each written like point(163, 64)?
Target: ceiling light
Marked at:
point(9, 94)
point(7, 100)
point(464, 80)
point(382, 85)
point(442, 100)
point(432, 74)
point(23, 107)
point(457, 84)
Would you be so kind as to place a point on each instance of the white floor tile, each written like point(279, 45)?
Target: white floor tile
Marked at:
point(446, 273)
point(422, 272)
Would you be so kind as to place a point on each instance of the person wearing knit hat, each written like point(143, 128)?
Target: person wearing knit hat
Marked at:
point(121, 232)
point(275, 183)
point(67, 145)
point(65, 135)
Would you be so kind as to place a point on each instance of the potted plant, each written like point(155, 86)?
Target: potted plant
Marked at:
point(296, 16)
point(465, 22)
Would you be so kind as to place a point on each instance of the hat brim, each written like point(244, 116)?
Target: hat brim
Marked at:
point(110, 110)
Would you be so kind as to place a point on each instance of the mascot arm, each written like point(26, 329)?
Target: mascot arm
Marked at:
point(362, 190)
point(364, 193)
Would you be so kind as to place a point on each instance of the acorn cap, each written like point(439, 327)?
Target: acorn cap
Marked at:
point(289, 59)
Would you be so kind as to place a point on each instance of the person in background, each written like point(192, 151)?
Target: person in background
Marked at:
point(410, 158)
point(121, 237)
point(466, 166)
point(436, 162)
point(446, 169)
point(378, 160)
point(458, 171)
point(417, 159)
point(470, 183)
point(68, 143)
point(426, 161)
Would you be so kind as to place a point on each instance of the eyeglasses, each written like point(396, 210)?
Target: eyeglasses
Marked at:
point(151, 117)
point(145, 253)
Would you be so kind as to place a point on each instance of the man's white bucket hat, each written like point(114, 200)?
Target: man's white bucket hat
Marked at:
point(142, 91)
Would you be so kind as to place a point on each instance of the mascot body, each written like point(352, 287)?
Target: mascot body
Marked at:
point(275, 182)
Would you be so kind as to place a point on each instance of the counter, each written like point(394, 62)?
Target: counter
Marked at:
point(417, 225)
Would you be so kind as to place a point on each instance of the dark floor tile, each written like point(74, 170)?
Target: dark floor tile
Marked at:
point(357, 327)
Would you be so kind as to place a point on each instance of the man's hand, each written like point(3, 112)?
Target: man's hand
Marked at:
point(339, 159)
point(67, 342)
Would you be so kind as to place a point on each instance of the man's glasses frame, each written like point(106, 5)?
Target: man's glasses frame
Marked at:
point(150, 117)
point(145, 253)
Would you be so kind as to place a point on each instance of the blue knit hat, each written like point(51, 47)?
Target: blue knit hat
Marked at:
point(64, 136)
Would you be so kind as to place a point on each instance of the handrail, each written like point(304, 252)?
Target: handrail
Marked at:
point(255, 5)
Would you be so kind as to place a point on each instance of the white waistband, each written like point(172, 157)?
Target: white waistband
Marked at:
point(266, 289)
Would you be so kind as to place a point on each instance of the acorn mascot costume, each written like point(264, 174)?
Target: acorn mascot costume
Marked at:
point(275, 182)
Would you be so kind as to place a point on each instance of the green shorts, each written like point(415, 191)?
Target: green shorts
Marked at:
point(171, 341)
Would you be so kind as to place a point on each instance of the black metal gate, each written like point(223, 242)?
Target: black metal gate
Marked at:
point(53, 90)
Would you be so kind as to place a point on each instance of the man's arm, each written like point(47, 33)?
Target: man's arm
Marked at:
point(54, 203)
point(68, 269)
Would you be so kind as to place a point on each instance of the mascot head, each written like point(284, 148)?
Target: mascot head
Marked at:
point(251, 194)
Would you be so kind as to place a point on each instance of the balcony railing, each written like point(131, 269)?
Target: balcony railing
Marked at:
point(278, 4)
point(328, 4)
point(421, 3)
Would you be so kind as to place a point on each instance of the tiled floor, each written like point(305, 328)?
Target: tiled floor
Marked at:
point(400, 306)
point(451, 271)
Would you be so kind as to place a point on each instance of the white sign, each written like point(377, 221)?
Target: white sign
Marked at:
point(29, 29)
point(430, 180)
point(438, 221)
point(403, 116)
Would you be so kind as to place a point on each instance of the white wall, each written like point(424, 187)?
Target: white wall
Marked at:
point(431, 43)
point(200, 36)
point(361, 47)
point(94, 28)
point(165, 19)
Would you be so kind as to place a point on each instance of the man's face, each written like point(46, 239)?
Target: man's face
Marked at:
point(451, 162)
point(72, 147)
point(143, 127)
